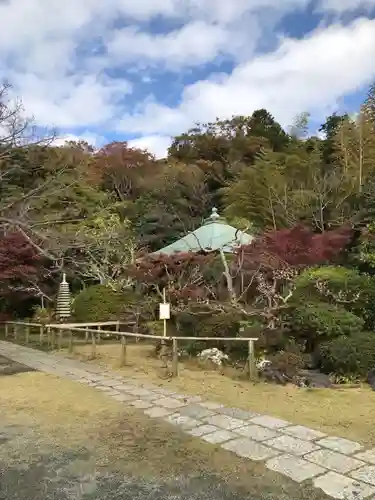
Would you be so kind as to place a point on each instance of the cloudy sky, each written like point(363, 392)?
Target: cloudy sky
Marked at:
point(145, 70)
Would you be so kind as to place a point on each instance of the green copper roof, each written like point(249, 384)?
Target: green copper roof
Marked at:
point(213, 235)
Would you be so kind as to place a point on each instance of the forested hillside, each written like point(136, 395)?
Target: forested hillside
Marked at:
point(91, 213)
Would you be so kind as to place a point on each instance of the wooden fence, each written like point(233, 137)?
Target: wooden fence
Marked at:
point(53, 334)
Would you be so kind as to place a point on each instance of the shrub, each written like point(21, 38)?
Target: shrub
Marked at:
point(348, 356)
point(338, 285)
point(288, 362)
point(320, 321)
point(98, 303)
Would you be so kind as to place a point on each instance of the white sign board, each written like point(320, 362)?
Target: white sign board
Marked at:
point(164, 311)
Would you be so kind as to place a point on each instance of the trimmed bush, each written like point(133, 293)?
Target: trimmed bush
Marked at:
point(320, 321)
point(98, 303)
point(348, 356)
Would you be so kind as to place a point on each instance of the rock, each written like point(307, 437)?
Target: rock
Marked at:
point(371, 379)
point(316, 379)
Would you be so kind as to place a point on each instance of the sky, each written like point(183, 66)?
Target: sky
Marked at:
point(144, 71)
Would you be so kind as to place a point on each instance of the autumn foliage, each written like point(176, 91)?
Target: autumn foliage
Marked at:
point(19, 263)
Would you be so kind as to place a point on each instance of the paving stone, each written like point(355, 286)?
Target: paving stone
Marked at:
point(210, 405)
point(104, 388)
point(270, 422)
point(365, 474)
point(170, 403)
point(158, 412)
point(250, 449)
point(302, 432)
point(340, 445)
point(342, 487)
point(236, 413)
point(138, 391)
point(182, 420)
point(218, 437)
point(123, 387)
point(224, 422)
point(139, 403)
point(123, 398)
point(334, 461)
point(165, 392)
point(202, 429)
point(187, 399)
point(196, 411)
point(295, 468)
point(292, 445)
point(367, 456)
point(256, 432)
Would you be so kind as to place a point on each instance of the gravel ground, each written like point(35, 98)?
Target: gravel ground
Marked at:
point(60, 440)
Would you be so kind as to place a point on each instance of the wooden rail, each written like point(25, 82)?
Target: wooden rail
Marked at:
point(71, 328)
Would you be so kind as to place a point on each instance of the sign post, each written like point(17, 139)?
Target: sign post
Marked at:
point(164, 314)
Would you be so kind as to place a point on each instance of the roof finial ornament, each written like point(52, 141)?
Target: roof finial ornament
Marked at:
point(214, 215)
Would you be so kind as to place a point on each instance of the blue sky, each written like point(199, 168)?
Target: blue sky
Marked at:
point(146, 70)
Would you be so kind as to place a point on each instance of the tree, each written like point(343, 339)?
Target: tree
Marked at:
point(23, 272)
point(124, 170)
point(106, 248)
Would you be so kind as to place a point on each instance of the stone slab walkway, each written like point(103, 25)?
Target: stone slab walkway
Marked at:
point(343, 469)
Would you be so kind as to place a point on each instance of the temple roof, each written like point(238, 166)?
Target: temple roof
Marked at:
point(214, 234)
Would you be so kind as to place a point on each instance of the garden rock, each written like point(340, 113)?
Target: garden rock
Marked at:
point(214, 355)
point(314, 378)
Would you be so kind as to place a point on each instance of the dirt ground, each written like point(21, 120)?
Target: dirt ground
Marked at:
point(60, 440)
point(346, 412)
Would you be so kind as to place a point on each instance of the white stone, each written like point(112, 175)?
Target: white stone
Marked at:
point(123, 398)
point(292, 445)
point(343, 488)
point(256, 432)
point(247, 448)
point(210, 405)
point(138, 391)
point(224, 422)
point(202, 429)
point(340, 445)
point(219, 436)
point(334, 461)
point(365, 474)
point(195, 411)
point(295, 468)
point(367, 456)
point(302, 432)
point(170, 403)
point(236, 413)
point(182, 420)
point(270, 422)
point(139, 403)
point(158, 412)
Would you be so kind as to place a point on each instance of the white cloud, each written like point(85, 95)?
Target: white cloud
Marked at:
point(157, 144)
point(59, 59)
point(93, 139)
point(301, 75)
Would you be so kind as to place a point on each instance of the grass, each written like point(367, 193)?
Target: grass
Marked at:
point(66, 416)
point(346, 412)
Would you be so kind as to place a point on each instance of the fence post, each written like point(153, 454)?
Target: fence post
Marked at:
point(70, 347)
point(251, 361)
point(99, 335)
point(15, 332)
point(175, 357)
point(93, 346)
point(86, 335)
point(53, 338)
point(117, 326)
point(41, 332)
point(27, 335)
point(59, 339)
point(123, 351)
point(6, 330)
point(48, 336)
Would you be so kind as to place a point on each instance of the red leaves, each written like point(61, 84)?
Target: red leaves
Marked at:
point(180, 273)
point(19, 261)
point(295, 247)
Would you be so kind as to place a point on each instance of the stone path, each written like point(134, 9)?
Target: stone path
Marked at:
point(343, 469)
